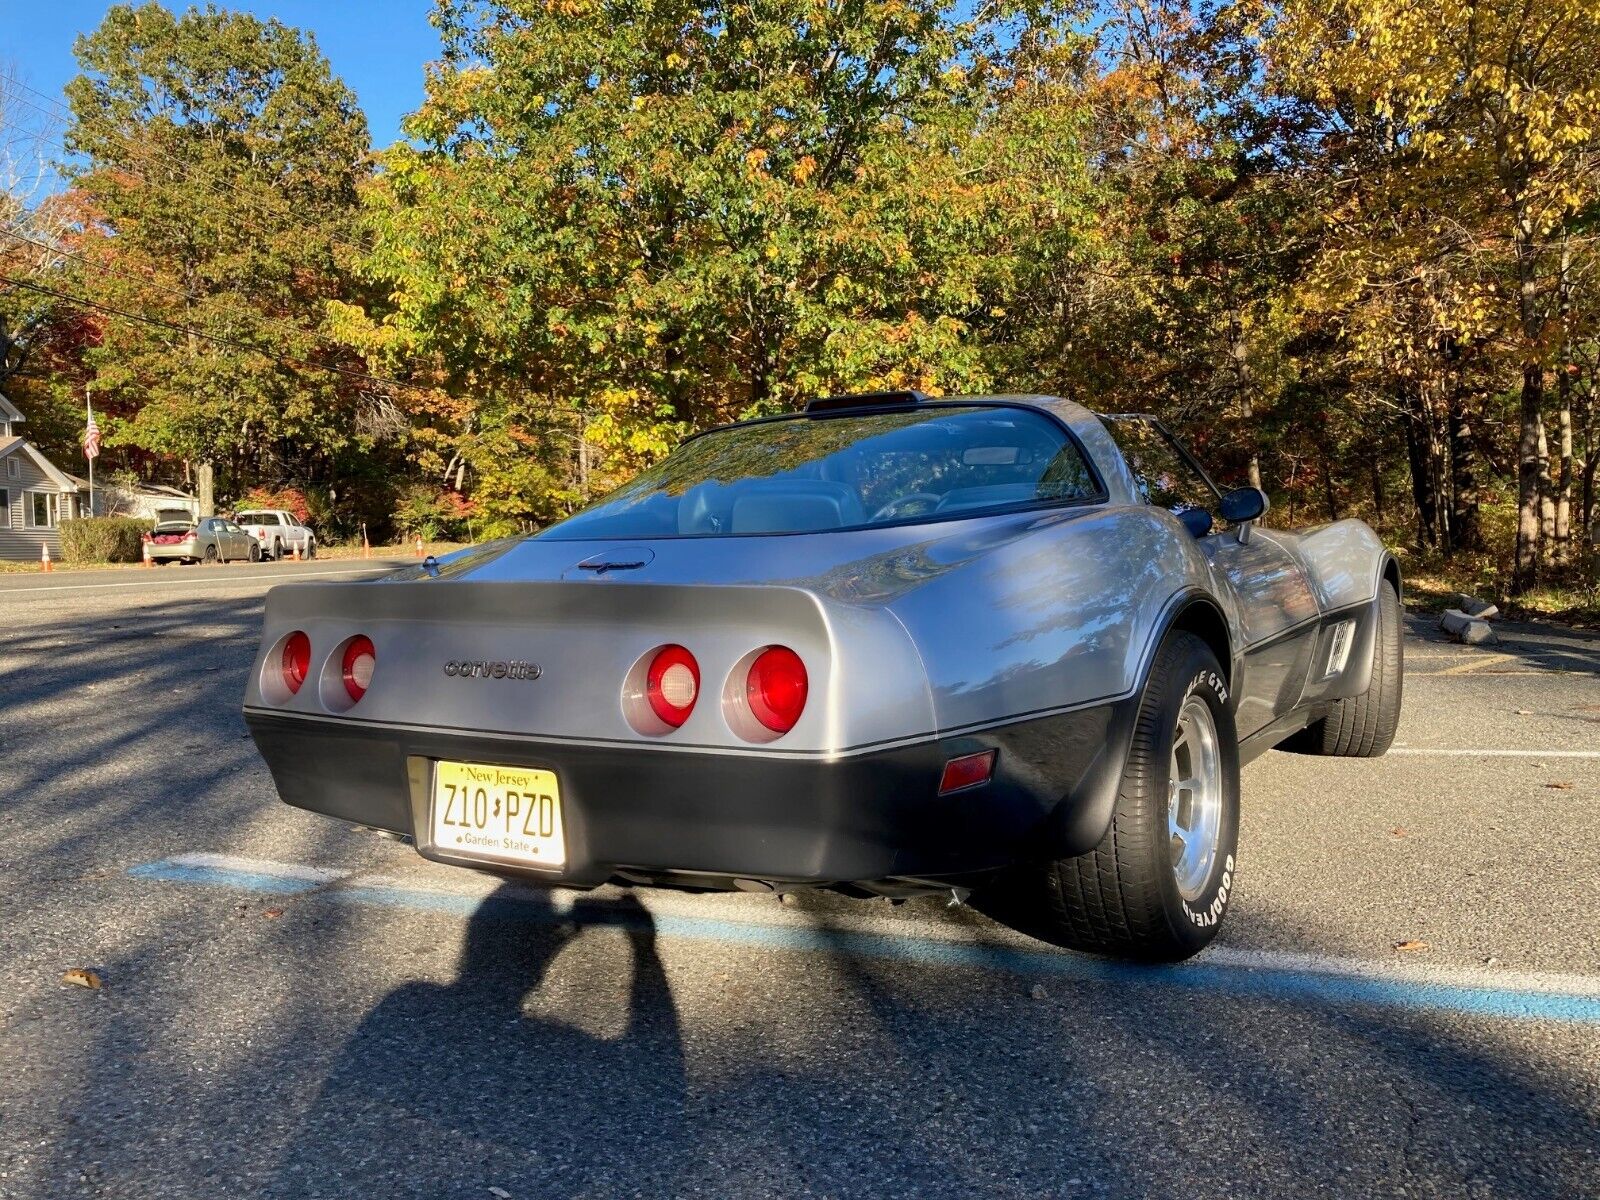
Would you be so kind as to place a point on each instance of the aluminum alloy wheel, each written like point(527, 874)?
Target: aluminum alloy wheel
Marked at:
point(1194, 797)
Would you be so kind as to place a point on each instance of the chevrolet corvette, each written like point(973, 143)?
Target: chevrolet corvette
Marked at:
point(889, 645)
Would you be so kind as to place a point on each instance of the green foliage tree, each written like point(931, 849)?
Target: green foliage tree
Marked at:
point(219, 159)
point(627, 220)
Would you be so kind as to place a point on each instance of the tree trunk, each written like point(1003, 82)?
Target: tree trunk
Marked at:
point(1466, 532)
point(1547, 495)
point(1379, 504)
point(205, 476)
point(1564, 482)
point(1563, 498)
point(1424, 490)
point(1526, 568)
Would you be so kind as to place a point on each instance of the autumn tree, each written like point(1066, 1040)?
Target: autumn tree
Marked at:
point(626, 220)
point(1491, 117)
point(218, 158)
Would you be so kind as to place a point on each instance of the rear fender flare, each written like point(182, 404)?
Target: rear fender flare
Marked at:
point(1079, 822)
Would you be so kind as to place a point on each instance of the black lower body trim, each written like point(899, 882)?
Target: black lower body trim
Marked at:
point(645, 812)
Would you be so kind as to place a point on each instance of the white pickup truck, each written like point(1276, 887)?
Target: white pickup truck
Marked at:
point(278, 533)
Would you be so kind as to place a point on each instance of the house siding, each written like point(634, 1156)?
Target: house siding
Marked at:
point(18, 539)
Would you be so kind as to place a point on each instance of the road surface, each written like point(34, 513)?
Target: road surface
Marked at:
point(292, 1008)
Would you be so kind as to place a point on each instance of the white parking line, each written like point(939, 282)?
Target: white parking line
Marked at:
point(1459, 753)
point(1261, 974)
point(187, 581)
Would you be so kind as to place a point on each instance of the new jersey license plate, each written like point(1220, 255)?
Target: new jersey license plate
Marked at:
point(503, 814)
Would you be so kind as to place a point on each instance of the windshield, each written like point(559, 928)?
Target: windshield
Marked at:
point(805, 475)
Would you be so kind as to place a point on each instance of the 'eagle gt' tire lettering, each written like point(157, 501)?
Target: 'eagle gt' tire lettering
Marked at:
point(1145, 892)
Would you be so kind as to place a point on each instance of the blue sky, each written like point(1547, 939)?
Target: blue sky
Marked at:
point(378, 47)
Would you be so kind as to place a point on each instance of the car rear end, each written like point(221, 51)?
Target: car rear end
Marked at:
point(264, 528)
point(180, 540)
point(707, 736)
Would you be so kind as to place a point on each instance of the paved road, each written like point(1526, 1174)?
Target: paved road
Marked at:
point(295, 1009)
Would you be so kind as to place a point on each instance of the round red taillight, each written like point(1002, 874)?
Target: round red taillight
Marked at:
point(776, 688)
point(672, 684)
point(358, 664)
point(296, 664)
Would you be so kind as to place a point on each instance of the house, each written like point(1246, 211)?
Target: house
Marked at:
point(35, 497)
point(153, 502)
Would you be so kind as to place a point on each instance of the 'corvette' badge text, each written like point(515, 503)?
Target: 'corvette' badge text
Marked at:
point(494, 670)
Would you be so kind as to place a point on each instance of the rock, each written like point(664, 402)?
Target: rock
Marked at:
point(1471, 631)
point(1038, 992)
point(1474, 607)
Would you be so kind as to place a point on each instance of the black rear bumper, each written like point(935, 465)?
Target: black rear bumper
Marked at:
point(711, 819)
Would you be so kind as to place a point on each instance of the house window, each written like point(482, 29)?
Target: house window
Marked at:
point(5, 508)
point(13, 468)
point(45, 509)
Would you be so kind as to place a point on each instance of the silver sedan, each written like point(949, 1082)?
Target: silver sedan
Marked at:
point(210, 539)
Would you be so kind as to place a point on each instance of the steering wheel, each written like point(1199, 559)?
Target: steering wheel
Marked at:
point(895, 505)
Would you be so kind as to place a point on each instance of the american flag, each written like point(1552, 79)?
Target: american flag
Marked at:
point(91, 438)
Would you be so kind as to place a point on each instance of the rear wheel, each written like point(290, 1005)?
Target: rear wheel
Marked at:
point(1364, 726)
point(1159, 883)
point(311, 547)
point(211, 555)
point(277, 549)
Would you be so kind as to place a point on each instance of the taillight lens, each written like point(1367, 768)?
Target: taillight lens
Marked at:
point(776, 688)
point(296, 664)
point(672, 684)
point(358, 664)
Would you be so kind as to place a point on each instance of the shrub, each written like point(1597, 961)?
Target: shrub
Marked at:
point(290, 499)
point(434, 515)
point(102, 539)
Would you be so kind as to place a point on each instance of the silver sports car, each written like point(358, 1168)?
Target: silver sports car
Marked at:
point(889, 645)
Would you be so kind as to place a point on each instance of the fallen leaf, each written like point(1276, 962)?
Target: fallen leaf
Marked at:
point(1561, 784)
point(500, 1193)
point(1038, 993)
point(1524, 712)
point(1398, 831)
point(83, 977)
point(272, 912)
point(1411, 944)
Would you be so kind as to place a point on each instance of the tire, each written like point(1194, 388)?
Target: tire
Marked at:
point(255, 552)
point(1363, 726)
point(1143, 893)
point(311, 547)
point(211, 555)
point(277, 549)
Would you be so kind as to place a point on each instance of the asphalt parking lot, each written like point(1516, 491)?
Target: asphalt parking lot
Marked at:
point(292, 1008)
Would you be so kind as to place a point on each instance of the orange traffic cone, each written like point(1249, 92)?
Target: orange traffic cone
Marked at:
point(297, 552)
point(366, 546)
point(44, 557)
point(419, 547)
point(148, 561)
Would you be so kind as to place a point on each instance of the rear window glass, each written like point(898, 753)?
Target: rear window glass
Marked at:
point(806, 475)
point(258, 518)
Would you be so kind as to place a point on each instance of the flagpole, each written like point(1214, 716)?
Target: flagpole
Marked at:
point(88, 409)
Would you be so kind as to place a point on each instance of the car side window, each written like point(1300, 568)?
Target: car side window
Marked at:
point(1163, 476)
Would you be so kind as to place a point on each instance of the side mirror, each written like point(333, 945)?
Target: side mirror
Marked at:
point(1242, 506)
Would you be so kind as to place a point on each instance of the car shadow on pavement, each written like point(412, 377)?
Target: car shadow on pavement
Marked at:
point(477, 1083)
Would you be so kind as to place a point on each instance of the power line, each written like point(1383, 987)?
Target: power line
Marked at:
point(173, 326)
